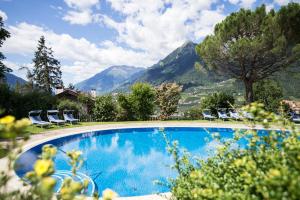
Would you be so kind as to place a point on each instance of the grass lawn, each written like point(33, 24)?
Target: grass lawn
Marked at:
point(36, 130)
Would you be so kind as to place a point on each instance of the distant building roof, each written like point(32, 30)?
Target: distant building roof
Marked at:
point(68, 94)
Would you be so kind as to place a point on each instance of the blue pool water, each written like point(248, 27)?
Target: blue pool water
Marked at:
point(128, 161)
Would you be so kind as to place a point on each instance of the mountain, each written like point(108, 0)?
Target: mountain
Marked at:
point(12, 80)
point(109, 79)
point(179, 67)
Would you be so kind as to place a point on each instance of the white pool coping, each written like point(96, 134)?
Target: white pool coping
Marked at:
point(17, 183)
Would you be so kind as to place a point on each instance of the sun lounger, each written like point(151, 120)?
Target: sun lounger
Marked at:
point(207, 114)
point(53, 117)
point(35, 118)
point(222, 114)
point(68, 116)
point(235, 115)
point(295, 117)
point(248, 115)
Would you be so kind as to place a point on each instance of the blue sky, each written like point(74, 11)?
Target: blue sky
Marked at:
point(88, 36)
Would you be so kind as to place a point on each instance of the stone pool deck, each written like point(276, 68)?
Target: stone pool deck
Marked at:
point(34, 140)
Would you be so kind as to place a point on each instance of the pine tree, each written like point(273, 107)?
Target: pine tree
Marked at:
point(251, 45)
point(46, 72)
point(4, 34)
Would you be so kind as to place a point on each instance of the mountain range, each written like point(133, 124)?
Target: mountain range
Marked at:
point(12, 80)
point(178, 66)
point(110, 78)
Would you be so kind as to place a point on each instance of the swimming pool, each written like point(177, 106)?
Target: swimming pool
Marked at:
point(128, 160)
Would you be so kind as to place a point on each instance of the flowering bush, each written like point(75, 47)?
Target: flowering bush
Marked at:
point(268, 168)
point(42, 184)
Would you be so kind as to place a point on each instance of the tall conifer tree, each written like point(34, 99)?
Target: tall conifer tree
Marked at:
point(4, 34)
point(46, 72)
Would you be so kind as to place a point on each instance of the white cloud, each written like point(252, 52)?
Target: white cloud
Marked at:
point(81, 11)
point(15, 66)
point(162, 25)
point(3, 15)
point(83, 58)
point(79, 17)
point(81, 4)
point(284, 2)
point(243, 3)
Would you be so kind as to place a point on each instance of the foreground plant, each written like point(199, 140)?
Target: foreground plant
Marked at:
point(39, 183)
point(268, 168)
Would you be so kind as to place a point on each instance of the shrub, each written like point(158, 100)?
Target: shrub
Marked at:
point(193, 113)
point(19, 104)
point(105, 108)
point(66, 104)
point(268, 92)
point(142, 97)
point(125, 108)
point(268, 168)
point(88, 102)
point(167, 99)
point(217, 100)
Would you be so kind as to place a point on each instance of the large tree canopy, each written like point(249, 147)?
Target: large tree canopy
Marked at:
point(252, 45)
point(4, 34)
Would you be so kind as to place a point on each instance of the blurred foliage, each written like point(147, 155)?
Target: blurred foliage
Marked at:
point(39, 182)
point(267, 168)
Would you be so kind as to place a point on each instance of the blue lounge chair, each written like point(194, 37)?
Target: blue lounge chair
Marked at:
point(235, 115)
point(222, 114)
point(53, 117)
point(207, 114)
point(68, 116)
point(295, 117)
point(35, 118)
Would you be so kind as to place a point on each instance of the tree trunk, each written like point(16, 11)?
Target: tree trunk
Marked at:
point(249, 91)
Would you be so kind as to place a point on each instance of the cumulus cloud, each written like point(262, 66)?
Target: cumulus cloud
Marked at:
point(162, 25)
point(83, 57)
point(243, 3)
point(80, 11)
point(3, 15)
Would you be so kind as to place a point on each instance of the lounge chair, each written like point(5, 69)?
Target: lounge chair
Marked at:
point(248, 115)
point(222, 114)
point(295, 117)
point(53, 117)
point(35, 118)
point(68, 116)
point(235, 115)
point(207, 114)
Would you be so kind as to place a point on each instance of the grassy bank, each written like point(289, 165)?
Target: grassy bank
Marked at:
point(36, 130)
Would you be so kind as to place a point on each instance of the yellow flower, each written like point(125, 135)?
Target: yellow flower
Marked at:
point(48, 183)
point(22, 123)
point(42, 167)
point(7, 120)
point(273, 173)
point(108, 194)
point(74, 155)
point(238, 162)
